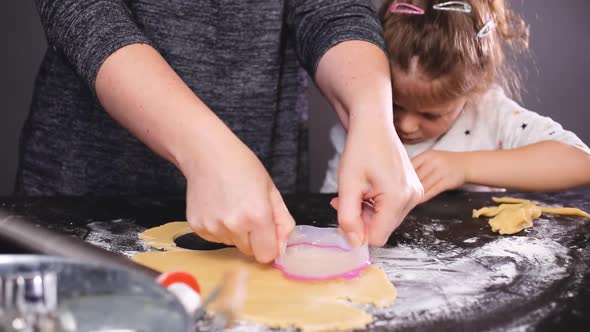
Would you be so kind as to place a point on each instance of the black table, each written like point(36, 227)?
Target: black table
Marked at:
point(451, 271)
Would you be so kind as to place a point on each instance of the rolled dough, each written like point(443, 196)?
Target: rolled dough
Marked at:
point(517, 214)
point(272, 299)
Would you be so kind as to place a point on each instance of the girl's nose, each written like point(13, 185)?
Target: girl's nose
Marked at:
point(406, 122)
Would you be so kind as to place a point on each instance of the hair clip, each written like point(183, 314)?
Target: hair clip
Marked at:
point(405, 8)
point(486, 29)
point(454, 6)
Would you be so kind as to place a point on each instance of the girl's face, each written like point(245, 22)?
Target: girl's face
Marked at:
point(414, 120)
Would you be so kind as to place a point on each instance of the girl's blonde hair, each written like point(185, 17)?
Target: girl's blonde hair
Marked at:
point(448, 51)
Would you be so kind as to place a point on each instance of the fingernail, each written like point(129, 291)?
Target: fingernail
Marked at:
point(354, 239)
point(282, 248)
point(332, 203)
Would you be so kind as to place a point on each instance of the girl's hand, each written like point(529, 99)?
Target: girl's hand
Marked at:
point(231, 199)
point(375, 167)
point(439, 171)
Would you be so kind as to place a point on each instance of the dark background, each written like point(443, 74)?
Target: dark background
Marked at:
point(556, 78)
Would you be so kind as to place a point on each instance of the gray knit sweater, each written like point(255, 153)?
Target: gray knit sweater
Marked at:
point(243, 58)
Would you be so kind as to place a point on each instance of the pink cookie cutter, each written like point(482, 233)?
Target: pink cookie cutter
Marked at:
point(315, 253)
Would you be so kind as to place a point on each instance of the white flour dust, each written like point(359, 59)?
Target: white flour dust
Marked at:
point(117, 236)
point(463, 282)
point(437, 281)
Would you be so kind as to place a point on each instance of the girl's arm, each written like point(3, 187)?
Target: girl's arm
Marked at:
point(536, 153)
point(548, 165)
point(542, 166)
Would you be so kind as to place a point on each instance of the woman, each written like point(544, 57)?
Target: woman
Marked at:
point(215, 89)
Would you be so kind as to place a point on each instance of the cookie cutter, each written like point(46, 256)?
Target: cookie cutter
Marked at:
point(315, 253)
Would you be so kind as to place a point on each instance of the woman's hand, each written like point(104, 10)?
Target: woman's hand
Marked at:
point(375, 167)
point(230, 196)
point(354, 76)
point(231, 199)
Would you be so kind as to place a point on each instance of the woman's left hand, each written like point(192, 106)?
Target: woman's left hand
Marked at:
point(375, 167)
point(355, 78)
point(439, 171)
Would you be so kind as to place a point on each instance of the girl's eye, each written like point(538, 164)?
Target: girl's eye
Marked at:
point(430, 116)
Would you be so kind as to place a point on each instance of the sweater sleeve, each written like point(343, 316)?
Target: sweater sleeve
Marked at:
point(318, 25)
point(86, 32)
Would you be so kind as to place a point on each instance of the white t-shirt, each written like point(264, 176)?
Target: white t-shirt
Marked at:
point(495, 122)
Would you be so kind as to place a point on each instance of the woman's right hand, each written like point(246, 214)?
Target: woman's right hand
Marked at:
point(231, 199)
point(230, 196)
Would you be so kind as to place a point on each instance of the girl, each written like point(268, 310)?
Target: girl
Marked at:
point(450, 107)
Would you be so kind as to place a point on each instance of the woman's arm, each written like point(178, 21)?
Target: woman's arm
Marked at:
point(340, 44)
point(354, 76)
point(230, 196)
point(138, 88)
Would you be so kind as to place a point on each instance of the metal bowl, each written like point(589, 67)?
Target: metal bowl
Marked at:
point(45, 293)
